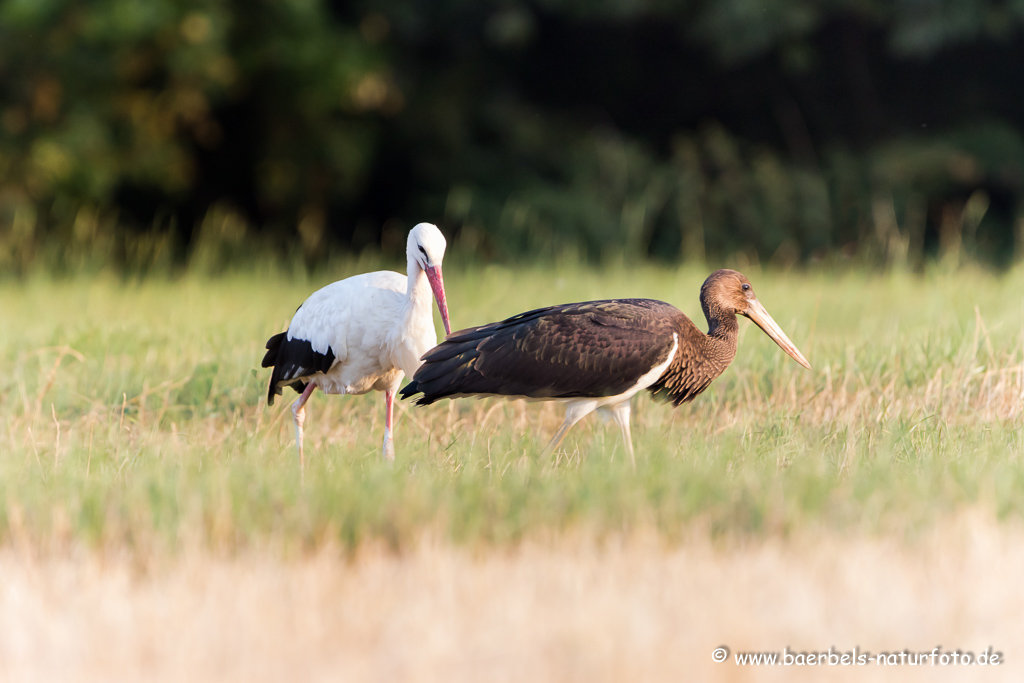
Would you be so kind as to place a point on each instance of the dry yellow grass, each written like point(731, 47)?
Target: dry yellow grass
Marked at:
point(554, 610)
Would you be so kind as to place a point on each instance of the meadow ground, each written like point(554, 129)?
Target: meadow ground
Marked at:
point(152, 519)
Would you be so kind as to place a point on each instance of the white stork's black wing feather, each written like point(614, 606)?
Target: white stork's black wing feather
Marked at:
point(293, 359)
point(590, 349)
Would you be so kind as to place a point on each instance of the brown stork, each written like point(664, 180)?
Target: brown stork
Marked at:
point(597, 355)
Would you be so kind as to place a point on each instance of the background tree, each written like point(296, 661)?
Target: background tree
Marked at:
point(786, 129)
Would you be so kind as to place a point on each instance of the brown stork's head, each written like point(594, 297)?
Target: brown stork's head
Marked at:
point(729, 293)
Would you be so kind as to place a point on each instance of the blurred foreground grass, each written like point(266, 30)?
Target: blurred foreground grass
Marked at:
point(134, 416)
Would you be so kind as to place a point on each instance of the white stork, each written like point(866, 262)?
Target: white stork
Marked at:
point(361, 333)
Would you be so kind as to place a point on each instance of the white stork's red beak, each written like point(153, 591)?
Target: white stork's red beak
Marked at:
point(437, 285)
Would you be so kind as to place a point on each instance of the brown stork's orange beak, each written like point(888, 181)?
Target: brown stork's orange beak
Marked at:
point(756, 312)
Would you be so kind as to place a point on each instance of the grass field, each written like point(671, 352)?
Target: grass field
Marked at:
point(137, 445)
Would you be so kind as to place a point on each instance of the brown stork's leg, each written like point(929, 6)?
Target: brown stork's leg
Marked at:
point(577, 409)
point(620, 414)
point(556, 440)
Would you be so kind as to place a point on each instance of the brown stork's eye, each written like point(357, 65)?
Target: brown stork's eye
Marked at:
point(746, 287)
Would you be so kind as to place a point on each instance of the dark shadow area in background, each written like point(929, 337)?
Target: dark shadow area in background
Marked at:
point(505, 119)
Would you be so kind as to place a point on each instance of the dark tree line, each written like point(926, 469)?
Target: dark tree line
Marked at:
point(785, 129)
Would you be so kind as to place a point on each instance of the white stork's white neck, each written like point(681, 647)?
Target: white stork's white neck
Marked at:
point(413, 333)
point(417, 294)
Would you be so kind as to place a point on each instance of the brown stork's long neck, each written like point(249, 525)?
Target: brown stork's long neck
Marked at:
point(720, 342)
point(700, 357)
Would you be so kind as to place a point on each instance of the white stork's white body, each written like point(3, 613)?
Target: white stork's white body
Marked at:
point(376, 325)
point(363, 333)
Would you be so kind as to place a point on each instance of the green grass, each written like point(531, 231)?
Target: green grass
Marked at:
point(133, 416)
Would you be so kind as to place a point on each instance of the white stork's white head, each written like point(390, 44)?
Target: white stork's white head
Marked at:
point(425, 250)
point(426, 246)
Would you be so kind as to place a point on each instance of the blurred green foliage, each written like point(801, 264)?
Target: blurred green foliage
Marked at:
point(152, 134)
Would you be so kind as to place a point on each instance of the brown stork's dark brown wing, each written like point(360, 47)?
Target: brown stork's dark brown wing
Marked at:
point(590, 349)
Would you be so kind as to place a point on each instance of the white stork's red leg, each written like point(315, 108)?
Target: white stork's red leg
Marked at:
point(389, 405)
point(620, 414)
point(299, 414)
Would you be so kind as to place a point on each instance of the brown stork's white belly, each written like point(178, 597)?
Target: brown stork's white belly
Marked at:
point(577, 408)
